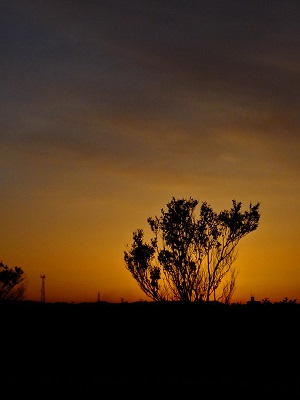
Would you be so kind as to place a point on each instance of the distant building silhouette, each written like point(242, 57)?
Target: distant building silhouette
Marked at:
point(253, 301)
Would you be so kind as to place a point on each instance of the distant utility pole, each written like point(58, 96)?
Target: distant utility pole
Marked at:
point(98, 297)
point(43, 289)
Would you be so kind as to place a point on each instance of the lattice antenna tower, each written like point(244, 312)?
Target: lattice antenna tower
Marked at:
point(43, 291)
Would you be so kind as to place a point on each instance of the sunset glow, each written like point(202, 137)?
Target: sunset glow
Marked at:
point(108, 111)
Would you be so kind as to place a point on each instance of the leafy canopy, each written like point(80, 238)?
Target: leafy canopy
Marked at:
point(190, 257)
point(12, 283)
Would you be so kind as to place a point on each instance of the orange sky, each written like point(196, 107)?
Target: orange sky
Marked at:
point(109, 110)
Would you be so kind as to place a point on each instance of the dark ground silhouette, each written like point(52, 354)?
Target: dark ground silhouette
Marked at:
point(61, 350)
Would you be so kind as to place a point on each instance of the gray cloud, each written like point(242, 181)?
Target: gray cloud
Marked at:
point(124, 83)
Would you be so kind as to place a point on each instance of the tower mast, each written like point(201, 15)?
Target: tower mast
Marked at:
point(43, 289)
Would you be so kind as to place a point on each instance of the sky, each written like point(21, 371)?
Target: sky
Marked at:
point(111, 108)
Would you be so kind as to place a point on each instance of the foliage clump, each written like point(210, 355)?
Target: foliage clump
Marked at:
point(190, 255)
point(12, 283)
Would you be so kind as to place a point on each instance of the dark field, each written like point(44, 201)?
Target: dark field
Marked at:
point(148, 351)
